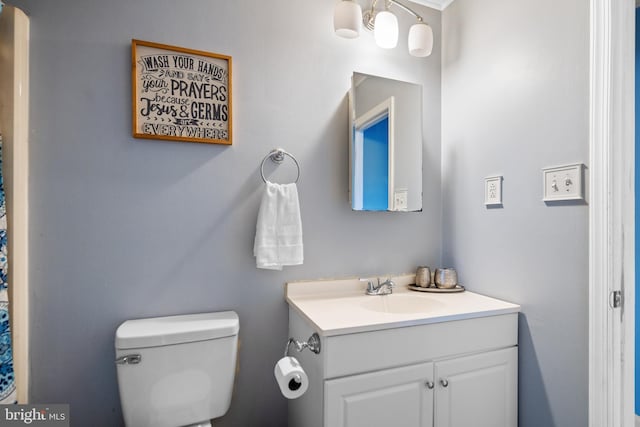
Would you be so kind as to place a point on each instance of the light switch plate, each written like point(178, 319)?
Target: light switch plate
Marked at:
point(493, 190)
point(563, 183)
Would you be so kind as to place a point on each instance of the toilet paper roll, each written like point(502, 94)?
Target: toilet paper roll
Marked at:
point(292, 379)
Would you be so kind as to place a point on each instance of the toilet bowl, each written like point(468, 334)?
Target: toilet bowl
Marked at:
point(177, 370)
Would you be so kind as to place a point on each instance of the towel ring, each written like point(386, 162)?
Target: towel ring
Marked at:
point(277, 156)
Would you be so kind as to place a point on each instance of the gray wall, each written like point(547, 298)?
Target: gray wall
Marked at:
point(515, 99)
point(124, 228)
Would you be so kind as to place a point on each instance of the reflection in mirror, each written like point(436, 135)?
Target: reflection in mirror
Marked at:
point(373, 158)
point(385, 150)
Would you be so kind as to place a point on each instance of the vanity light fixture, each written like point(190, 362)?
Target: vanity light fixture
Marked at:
point(386, 29)
point(347, 19)
point(348, 16)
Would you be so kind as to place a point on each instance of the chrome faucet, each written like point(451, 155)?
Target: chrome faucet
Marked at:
point(384, 288)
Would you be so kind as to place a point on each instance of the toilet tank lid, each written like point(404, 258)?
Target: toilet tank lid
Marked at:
point(159, 331)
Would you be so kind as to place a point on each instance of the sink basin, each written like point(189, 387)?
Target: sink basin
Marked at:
point(340, 307)
point(400, 303)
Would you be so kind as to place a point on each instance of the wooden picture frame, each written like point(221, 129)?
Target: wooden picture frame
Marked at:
point(180, 94)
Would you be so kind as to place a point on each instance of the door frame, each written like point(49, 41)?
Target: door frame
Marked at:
point(385, 109)
point(14, 88)
point(611, 213)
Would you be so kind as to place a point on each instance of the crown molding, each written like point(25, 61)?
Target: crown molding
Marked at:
point(436, 4)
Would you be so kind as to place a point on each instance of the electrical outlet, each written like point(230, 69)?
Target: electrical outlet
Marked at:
point(563, 183)
point(400, 199)
point(493, 191)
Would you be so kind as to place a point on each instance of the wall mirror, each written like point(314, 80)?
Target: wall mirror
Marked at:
point(385, 144)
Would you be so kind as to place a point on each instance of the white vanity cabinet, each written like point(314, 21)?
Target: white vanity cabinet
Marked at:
point(481, 390)
point(393, 397)
point(369, 378)
point(478, 390)
point(453, 365)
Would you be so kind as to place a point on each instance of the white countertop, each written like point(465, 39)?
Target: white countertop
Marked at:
point(337, 307)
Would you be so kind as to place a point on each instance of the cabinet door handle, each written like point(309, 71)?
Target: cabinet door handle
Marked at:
point(444, 382)
point(429, 384)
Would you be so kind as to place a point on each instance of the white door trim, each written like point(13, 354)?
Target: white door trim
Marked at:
point(611, 212)
point(14, 120)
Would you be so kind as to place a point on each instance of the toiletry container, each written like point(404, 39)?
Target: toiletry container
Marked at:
point(177, 370)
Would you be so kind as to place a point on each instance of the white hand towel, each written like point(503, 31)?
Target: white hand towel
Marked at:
point(278, 239)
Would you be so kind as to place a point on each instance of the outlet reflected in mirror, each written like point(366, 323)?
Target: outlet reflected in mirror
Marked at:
point(385, 144)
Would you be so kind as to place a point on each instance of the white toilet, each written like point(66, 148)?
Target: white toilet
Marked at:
point(176, 370)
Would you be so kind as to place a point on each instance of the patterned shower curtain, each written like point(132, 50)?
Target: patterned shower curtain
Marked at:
point(7, 380)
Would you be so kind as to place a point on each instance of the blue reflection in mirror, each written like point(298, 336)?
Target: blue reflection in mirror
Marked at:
point(372, 155)
point(375, 172)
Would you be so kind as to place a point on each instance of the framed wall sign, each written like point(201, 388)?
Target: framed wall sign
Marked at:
point(180, 94)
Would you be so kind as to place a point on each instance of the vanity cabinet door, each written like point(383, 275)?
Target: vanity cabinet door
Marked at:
point(478, 390)
point(399, 397)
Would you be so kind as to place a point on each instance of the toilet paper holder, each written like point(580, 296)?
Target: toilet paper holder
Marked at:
point(312, 343)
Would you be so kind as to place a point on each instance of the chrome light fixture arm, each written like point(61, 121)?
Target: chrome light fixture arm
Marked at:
point(368, 18)
point(407, 9)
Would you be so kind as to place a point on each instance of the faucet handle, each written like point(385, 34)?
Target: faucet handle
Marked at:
point(370, 285)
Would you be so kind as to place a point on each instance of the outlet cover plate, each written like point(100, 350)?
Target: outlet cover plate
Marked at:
point(563, 183)
point(493, 190)
point(400, 199)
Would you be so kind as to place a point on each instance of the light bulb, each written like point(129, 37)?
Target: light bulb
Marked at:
point(420, 40)
point(386, 29)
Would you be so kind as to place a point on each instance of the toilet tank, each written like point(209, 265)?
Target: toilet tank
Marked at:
point(176, 370)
